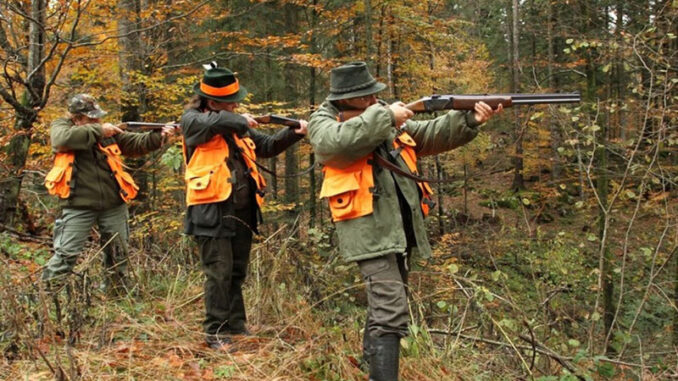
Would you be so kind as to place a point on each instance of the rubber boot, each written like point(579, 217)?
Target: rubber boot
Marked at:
point(385, 359)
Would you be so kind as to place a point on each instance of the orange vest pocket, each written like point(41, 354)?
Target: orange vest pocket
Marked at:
point(58, 180)
point(203, 187)
point(55, 184)
point(341, 190)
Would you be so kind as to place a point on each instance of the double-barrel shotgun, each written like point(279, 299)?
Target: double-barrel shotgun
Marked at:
point(466, 102)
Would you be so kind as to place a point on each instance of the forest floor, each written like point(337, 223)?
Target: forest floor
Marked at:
point(498, 274)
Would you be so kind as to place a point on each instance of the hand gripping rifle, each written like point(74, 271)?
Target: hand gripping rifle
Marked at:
point(466, 102)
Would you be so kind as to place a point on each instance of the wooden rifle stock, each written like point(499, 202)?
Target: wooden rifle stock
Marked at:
point(277, 119)
point(467, 102)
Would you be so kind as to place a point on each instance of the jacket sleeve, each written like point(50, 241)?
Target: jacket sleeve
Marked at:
point(199, 127)
point(442, 134)
point(138, 143)
point(68, 137)
point(272, 145)
point(340, 144)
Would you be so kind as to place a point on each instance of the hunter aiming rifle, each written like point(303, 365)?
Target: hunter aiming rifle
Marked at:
point(265, 119)
point(466, 102)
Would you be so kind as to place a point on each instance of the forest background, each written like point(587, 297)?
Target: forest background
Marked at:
point(555, 248)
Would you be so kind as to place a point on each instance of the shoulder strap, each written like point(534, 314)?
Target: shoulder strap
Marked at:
point(384, 163)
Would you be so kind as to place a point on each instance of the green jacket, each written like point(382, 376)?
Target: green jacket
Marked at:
point(93, 185)
point(395, 224)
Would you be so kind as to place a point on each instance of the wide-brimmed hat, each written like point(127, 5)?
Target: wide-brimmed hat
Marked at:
point(85, 104)
point(220, 84)
point(352, 80)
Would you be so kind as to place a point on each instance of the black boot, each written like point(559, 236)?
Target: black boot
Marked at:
point(385, 358)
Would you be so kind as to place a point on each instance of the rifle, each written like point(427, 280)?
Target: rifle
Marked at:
point(466, 102)
point(265, 119)
point(145, 126)
point(277, 119)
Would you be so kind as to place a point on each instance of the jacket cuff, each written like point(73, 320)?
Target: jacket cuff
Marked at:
point(471, 120)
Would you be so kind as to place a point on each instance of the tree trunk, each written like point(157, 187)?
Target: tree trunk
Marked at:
point(17, 149)
point(554, 128)
point(131, 57)
point(368, 33)
point(518, 182)
point(312, 90)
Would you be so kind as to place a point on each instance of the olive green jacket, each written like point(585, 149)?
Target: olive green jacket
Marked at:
point(341, 144)
point(93, 185)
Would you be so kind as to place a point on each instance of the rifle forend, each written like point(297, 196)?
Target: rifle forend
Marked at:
point(145, 125)
point(466, 102)
point(277, 119)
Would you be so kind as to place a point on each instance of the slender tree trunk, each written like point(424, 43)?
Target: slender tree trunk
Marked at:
point(17, 149)
point(312, 90)
point(368, 33)
point(518, 182)
point(131, 62)
point(554, 128)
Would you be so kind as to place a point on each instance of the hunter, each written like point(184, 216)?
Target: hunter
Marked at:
point(93, 187)
point(224, 193)
point(379, 213)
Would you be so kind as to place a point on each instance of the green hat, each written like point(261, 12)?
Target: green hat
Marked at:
point(85, 104)
point(352, 80)
point(220, 84)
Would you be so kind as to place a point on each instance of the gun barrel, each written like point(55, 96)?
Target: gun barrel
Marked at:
point(148, 125)
point(277, 119)
point(529, 99)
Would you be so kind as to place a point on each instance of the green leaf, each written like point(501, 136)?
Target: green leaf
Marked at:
point(569, 41)
point(526, 201)
point(573, 343)
point(595, 316)
point(441, 304)
point(591, 237)
point(453, 268)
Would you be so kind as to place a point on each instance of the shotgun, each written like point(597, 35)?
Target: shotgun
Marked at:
point(277, 119)
point(466, 102)
point(145, 126)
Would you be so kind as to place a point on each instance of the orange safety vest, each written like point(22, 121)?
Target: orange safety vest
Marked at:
point(208, 178)
point(349, 190)
point(59, 177)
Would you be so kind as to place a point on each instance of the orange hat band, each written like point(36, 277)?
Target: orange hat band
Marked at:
point(220, 91)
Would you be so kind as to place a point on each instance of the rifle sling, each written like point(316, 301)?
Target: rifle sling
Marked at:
point(272, 173)
point(384, 163)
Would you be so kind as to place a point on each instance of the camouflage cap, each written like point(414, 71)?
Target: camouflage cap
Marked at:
point(85, 104)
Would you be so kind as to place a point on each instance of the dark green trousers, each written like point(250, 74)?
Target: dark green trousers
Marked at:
point(386, 283)
point(224, 262)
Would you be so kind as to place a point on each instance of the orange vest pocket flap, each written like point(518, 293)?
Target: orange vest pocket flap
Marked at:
point(338, 184)
point(199, 182)
point(54, 176)
point(126, 177)
point(407, 140)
